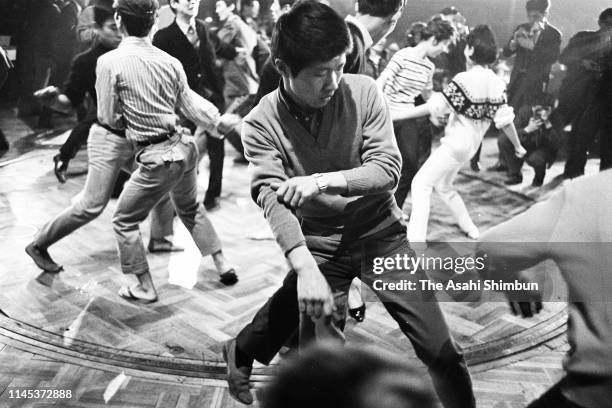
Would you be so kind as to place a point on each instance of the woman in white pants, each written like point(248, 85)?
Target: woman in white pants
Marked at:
point(471, 101)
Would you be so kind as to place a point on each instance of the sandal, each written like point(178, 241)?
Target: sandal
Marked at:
point(126, 293)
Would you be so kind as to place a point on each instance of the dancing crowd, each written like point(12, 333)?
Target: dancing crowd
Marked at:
point(337, 125)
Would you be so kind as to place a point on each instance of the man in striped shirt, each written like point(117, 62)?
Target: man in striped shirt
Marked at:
point(140, 87)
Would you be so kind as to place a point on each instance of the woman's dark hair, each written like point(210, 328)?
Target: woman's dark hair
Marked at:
point(101, 15)
point(334, 376)
point(413, 34)
point(439, 29)
point(309, 33)
point(379, 8)
point(482, 40)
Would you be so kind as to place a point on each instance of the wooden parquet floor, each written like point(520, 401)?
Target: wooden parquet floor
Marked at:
point(512, 385)
point(81, 302)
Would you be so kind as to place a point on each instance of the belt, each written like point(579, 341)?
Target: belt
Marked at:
point(156, 139)
point(118, 132)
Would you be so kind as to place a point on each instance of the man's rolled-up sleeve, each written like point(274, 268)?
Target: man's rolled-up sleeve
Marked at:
point(266, 167)
point(380, 156)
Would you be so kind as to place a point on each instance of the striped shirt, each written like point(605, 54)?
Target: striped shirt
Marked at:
point(140, 87)
point(406, 77)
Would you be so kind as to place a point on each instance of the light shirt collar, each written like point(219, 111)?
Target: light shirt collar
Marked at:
point(367, 38)
point(131, 40)
point(184, 27)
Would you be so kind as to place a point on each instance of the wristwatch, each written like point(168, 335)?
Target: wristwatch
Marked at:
point(321, 182)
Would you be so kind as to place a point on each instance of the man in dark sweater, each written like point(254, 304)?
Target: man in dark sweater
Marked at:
point(188, 40)
point(324, 164)
point(80, 83)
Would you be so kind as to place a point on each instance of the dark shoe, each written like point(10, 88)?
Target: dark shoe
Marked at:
point(42, 258)
point(163, 245)
point(211, 203)
point(572, 175)
point(60, 169)
point(237, 377)
point(358, 313)
point(498, 167)
point(513, 180)
point(537, 181)
point(228, 278)
point(475, 166)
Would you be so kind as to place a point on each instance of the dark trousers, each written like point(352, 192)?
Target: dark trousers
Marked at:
point(536, 157)
point(4, 144)
point(216, 156)
point(215, 148)
point(417, 313)
point(553, 398)
point(414, 141)
point(77, 138)
point(595, 119)
point(233, 137)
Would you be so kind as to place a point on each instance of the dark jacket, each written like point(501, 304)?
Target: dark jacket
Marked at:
point(579, 85)
point(199, 64)
point(529, 77)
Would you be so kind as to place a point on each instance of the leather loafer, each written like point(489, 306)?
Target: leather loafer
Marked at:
point(163, 245)
point(358, 313)
point(228, 278)
point(237, 377)
point(60, 169)
point(42, 258)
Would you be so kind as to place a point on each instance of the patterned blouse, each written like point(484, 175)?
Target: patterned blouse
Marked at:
point(472, 100)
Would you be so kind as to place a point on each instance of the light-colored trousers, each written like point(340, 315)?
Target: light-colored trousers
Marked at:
point(437, 173)
point(167, 167)
point(108, 154)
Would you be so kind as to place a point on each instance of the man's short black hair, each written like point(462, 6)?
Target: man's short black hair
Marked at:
point(137, 16)
point(309, 33)
point(379, 8)
point(331, 376)
point(541, 6)
point(482, 40)
point(605, 15)
point(449, 11)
